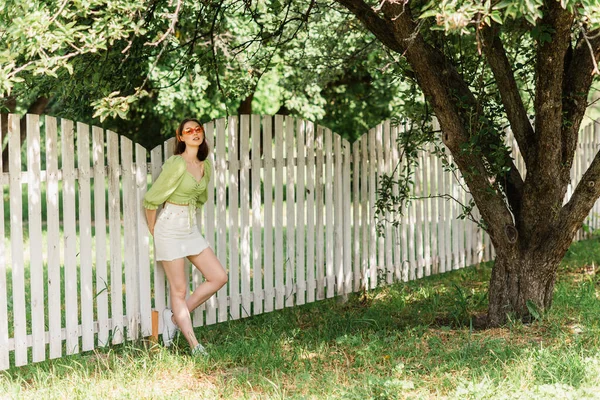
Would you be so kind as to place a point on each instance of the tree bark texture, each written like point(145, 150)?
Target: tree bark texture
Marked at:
point(528, 224)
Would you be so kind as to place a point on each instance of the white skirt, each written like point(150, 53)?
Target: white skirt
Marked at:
point(176, 234)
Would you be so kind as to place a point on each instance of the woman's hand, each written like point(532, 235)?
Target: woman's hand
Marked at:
point(151, 220)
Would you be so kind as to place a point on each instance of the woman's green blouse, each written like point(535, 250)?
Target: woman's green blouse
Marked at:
point(177, 185)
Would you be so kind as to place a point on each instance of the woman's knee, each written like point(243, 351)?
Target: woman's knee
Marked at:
point(178, 292)
point(220, 278)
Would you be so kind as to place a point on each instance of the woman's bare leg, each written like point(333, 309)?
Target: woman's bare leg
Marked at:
point(214, 274)
point(178, 287)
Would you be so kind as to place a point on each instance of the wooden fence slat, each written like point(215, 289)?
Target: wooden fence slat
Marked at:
point(70, 236)
point(397, 240)
point(320, 229)
point(257, 264)
point(234, 233)
point(279, 261)
point(435, 215)
point(300, 213)
point(338, 216)
point(16, 239)
point(269, 295)
point(220, 178)
point(244, 214)
point(419, 216)
point(53, 237)
point(209, 227)
point(381, 267)
point(372, 222)
point(85, 237)
point(329, 246)
point(365, 221)
point(4, 354)
point(143, 242)
point(156, 162)
point(387, 154)
point(427, 210)
point(36, 267)
point(114, 223)
point(290, 221)
point(448, 219)
point(310, 212)
point(356, 214)
point(129, 226)
point(347, 217)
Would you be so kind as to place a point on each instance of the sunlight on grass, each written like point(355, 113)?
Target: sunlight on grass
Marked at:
point(409, 340)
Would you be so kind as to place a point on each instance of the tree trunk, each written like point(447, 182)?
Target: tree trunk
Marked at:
point(522, 280)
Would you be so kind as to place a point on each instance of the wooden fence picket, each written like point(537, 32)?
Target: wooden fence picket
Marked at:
point(114, 218)
point(53, 235)
point(290, 221)
point(269, 292)
point(300, 213)
point(34, 194)
point(85, 237)
point(16, 238)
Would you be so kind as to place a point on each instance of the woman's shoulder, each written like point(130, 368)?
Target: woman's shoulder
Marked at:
point(175, 163)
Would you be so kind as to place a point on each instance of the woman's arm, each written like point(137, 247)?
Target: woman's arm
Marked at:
point(151, 220)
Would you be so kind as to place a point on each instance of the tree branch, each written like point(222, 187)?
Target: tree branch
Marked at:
point(509, 91)
point(578, 81)
point(380, 27)
point(451, 99)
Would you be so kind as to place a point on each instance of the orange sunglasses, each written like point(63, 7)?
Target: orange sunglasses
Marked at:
point(189, 131)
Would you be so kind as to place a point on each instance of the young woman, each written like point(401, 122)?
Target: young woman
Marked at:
point(182, 186)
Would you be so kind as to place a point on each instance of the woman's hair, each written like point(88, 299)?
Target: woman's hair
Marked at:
point(180, 144)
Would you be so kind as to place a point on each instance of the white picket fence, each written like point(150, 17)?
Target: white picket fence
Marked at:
point(86, 279)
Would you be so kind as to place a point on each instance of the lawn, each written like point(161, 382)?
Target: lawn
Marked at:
point(409, 340)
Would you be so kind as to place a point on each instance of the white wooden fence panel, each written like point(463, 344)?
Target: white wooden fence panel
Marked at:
point(427, 212)
point(372, 191)
point(429, 239)
point(257, 218)
point(396, 232)
point(419, 218)
point(85, 237)
point(329, 244)
point(220, 178)
point(209, 226)
point(290, 221)
point(156, 161)
point(300, 213)
point(279, 261)
point(356, 217)
point(129, 225)
point(36, 269)
point(53, 237)
point(16, 236)
point(234, 233)
point(380, 170)
point(338, 216)
point(365, 221)
point(114, 223)
point(143, 242)
point(4, 353)
point(70, 236)
point(320, 270)
point(347, 217)
point(269, 293)
point(387, 158)
point(244, 213)
point(310, 213)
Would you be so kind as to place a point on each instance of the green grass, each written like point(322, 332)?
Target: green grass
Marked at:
point(410, 340)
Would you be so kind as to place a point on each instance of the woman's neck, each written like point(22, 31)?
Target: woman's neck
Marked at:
point(190, 153)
